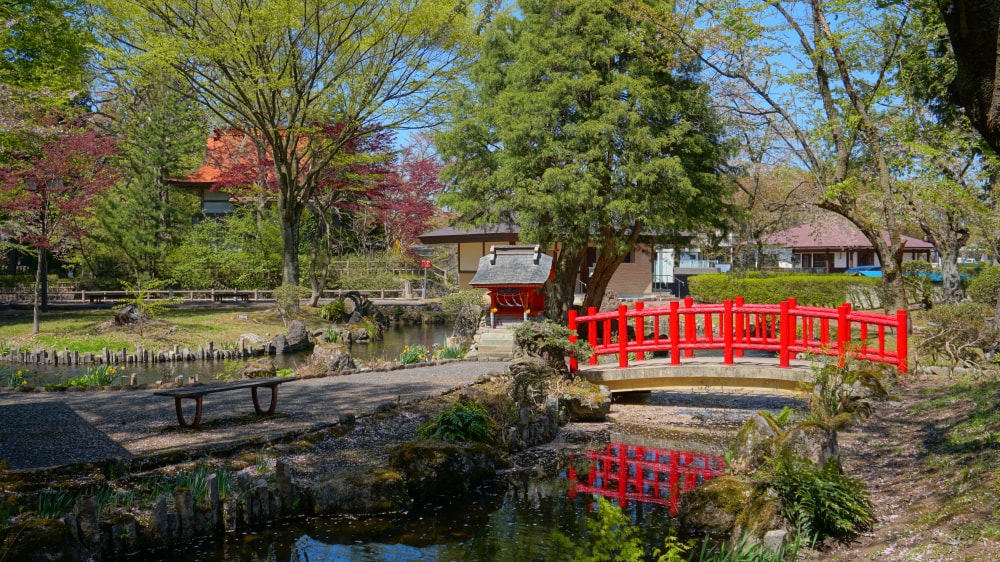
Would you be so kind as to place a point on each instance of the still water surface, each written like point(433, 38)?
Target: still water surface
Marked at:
point(514, 518)
point(395, 338)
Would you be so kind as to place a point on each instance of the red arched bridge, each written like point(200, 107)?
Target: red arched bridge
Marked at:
point(635, 337)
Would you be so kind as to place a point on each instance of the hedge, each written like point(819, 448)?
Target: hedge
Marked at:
point(829, 290)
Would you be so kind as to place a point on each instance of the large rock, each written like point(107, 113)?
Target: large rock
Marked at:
point(714, 505)
point(259, 369)
point(761, 515)
point(297, 336)
point(330, 358)
point(279, 344)
point(586, 402)
point(811, 441)
point(380, 491)
point(432, 467)
point(753, 444)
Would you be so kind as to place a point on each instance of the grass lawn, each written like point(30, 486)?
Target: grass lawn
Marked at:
point(93, 329)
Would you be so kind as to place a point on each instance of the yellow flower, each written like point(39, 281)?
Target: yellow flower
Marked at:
point(24, 383)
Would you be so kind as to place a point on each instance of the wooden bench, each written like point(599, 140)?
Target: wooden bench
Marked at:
point(243, 296)
point(199, 392)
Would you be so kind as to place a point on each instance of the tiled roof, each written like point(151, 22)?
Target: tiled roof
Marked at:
point(833, 233)
point(453, 235)
point(222, 149)
point(513, 265)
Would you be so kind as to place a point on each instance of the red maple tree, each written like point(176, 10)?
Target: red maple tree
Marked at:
point(49, 191)
point(404, 202)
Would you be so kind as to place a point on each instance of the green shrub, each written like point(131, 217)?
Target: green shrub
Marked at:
point(983, 288)
point(917, 281)
point(466, 299)
point(807, 289)
point(550, 341)
point(465, 421)
point(961, 333)
point(333, 310)
point(288, 297)
point(823, 502)
point(446, 352)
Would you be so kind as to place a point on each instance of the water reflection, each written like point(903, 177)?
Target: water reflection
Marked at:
point(632, 473)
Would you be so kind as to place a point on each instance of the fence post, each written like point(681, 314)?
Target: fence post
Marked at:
point(689, 327)
point(592, 335)
point(573, 366)
point(622, 336)
point(843, 333)
point(783, 336)
point(640, 331)
point(675, 334)
point(902, 327)
point(740, 321)
point(727, 332)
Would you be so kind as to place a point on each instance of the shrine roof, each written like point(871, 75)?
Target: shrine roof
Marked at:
point(513, 266)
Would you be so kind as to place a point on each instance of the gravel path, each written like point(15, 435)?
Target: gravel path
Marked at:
point(46, 429)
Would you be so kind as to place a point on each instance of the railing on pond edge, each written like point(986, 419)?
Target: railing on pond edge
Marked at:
point(633, 473)
point(735, 327)
point(208, 295)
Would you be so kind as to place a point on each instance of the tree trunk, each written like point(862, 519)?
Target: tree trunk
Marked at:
point(974, 27)
point(290, 214)
point(559, 291)
point(37, 305)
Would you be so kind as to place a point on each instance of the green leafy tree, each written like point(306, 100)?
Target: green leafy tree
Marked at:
point(282, 71)
point(822, 76)
point(584, 130)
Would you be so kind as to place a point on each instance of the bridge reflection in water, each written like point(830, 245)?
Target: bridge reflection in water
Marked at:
point(631, 473)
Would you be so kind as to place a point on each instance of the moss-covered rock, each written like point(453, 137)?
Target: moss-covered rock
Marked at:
point(754, 443)
point(761, 513)
point(432, 467)
point(586, 402)
point(714, 505)
point(41, 539)
point(809, 440)
point(378, 491)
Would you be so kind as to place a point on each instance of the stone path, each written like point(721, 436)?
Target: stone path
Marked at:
point(48, 429)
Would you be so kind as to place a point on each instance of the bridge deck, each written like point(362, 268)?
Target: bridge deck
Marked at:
point(702, 372)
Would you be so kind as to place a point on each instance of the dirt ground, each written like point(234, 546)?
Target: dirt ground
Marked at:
point(932, 501)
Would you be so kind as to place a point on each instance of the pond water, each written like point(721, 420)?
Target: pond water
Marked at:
point(516, 517)
point(395, 338)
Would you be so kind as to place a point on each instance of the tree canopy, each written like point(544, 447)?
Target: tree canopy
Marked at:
point(583, 129)
point(281, 71)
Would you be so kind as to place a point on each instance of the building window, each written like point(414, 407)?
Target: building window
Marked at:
point(819, 261)
point(806, 261)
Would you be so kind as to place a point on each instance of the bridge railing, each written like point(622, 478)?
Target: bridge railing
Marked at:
point(734, 327)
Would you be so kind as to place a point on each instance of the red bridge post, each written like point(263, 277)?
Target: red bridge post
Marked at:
point(784, 336)
point(573, 365)
point(675, 334)
point(592, 335)
point(902, 357)
point(740, 324)
point(640, 330)
point(690, 334)
point(843, 333)
point(622, 336)
point(727, 332)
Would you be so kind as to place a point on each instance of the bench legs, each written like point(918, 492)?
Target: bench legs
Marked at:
point(274, 400)
point(180, 411)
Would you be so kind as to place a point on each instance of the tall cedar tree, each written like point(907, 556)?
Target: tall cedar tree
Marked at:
point(585, 130)
point(161, 137)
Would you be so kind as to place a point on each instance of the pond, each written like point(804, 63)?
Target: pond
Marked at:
point(516, 517)
point(395, 338)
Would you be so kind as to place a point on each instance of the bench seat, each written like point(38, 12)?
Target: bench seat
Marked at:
point(197, 393)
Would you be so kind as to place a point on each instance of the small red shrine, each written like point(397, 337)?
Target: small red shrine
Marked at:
point(514, 276)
